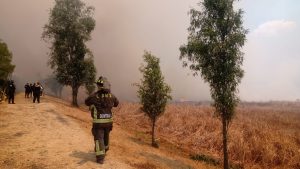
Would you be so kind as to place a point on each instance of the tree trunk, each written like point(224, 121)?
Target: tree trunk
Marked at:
point(59, 92)
point(154, 144)
point(225, 153)
point(74, 95)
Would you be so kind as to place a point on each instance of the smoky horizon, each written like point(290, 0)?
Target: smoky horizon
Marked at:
point(125, 29)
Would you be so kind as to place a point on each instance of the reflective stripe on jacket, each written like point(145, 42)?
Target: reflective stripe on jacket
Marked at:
point(99, 120)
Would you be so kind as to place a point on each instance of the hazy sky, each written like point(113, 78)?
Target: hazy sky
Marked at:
point(125, 28)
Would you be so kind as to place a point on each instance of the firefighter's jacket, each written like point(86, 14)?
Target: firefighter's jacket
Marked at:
point(100, 104)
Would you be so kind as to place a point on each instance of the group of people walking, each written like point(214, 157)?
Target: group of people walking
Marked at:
point(35, 90)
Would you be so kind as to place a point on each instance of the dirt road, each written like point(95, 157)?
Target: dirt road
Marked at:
point(52, 134)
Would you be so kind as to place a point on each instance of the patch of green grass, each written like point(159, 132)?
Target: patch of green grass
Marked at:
point(206, 159)
point(210, 160)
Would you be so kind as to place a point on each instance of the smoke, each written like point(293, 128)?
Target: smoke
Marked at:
point(124, 29)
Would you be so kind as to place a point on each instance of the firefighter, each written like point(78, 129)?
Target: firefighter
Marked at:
point(36, 92)
point(27, 90)
point(31, 86)
point(101, 104)
point(11, 92)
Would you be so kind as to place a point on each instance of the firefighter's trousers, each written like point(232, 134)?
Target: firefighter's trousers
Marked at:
point(36, 96)
point(101, 138)
point(11, 98)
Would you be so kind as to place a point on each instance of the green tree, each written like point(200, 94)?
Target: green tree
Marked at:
point(91, 77)
point(153, 92)
point(69, 28)
point(6, 67)
point(216, 35)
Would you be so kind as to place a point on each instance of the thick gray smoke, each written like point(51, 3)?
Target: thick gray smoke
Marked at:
point(124, 29)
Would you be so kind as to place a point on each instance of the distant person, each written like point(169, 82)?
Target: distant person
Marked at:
point(27, 90)
point(11, 92)
point(101, 103)
point(36, 92)
point(31, 89)
point(42, 90)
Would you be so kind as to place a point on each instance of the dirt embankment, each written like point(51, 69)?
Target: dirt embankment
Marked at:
point(52, 134)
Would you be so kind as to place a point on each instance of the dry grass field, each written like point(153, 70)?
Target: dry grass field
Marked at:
point(261, 135)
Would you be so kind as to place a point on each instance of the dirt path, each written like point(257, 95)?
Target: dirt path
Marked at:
point(52, 134)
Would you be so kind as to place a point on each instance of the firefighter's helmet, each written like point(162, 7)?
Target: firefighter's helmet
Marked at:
point(102, 82)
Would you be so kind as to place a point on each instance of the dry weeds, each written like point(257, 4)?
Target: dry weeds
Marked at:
point(260, 136)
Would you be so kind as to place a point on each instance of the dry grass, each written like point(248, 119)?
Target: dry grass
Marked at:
point(146, 165)
point(260, 136)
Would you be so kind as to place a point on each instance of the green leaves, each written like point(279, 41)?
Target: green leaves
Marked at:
point(153, 92)
point(90, 75)
point(215, 38)
point(69, 27)
point(6, 68)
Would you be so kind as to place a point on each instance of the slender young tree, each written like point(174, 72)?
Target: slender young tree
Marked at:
point(153, 92)
point(216, 35)
point(69, 28)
